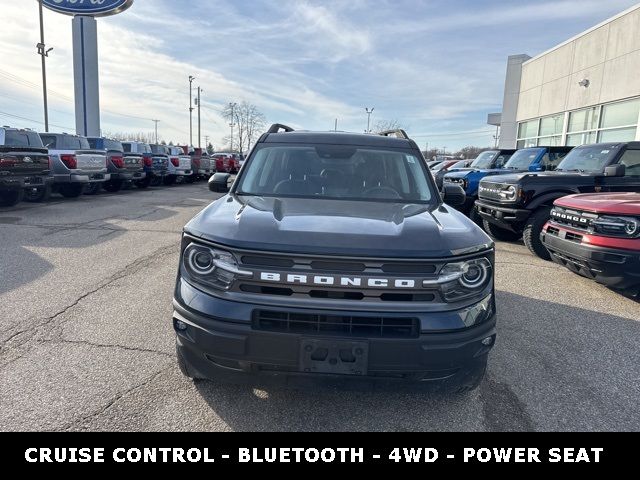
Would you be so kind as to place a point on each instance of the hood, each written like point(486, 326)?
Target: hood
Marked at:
point(470, 171)
point(611, 203)
point(337, 227)
point(560, 178)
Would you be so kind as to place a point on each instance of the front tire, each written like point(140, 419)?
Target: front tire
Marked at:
point(10, 198)
point(533, 229)
point(501, 234)
point(169, 180)
point(71, 190)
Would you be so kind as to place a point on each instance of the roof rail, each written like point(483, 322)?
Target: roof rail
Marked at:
point(276, 127)
point(398, 133)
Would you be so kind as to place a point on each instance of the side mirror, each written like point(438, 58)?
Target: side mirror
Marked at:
point(453, 195)
point(219, 182)
point(617, 170)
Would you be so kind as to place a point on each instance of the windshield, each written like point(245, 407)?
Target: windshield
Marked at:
point(440, 166)
point(16, 138)
point(485, 160)
point(588, 159)
point(336, 172)
point(159, 149)
point(522, 159)
point(461, 164)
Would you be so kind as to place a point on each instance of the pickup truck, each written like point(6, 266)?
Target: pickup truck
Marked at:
point(142, 152)
point(206, 169)
point(222, 162)
point(75, 165)
point(179, 166)
point(528, 159)
point(519, 205)
point(123, 168)
point(24, 166)
point(334, 256)
point(598, 237)
point(160, 161)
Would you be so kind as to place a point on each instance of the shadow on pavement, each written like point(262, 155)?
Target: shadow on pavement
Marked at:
point(555, 367)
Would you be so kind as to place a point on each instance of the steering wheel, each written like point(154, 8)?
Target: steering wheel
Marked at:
point(382, 192)
point(327, 172)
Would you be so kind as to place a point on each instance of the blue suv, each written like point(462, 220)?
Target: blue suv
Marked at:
point(534, 159)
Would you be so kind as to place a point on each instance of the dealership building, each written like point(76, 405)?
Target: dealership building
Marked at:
point(585, 90)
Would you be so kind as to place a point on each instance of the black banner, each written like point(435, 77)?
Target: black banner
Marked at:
point(122, 452)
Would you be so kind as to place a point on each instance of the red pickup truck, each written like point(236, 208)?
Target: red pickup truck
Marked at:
point(598, 236)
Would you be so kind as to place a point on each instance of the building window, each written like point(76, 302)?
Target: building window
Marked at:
point(544, 132)
point(615, 122)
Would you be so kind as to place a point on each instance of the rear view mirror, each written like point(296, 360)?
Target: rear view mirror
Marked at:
point(617, 170)
point(219, 183)
point(453, 195)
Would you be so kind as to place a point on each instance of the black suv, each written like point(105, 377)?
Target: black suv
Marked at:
point(515, 206)
point(333, 255)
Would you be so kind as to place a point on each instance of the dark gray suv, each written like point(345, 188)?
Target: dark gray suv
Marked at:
point(334, 256)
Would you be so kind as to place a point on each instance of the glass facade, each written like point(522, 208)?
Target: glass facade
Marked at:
point(613, 122)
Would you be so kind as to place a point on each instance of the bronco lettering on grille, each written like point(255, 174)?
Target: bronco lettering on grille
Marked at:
point(338, 281)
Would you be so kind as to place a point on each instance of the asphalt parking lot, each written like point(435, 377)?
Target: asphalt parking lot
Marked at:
point(86, 341)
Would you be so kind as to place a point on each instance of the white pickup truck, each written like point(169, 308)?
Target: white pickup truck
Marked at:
point(75, 166)
point(179, 166)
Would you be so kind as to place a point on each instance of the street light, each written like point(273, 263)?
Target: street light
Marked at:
point(191, 79)
point(44, 53)
point(369, 112)
point(232, 123)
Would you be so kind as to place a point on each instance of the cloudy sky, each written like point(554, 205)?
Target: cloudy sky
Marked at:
point(437, 66)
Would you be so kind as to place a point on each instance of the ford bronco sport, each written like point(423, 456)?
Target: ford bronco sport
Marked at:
point(334, 255)
point(598, 236)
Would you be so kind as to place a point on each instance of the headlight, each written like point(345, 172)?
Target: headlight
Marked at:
point(461, 280)
point(211, 267)
point(509, 194)
point(617, 226)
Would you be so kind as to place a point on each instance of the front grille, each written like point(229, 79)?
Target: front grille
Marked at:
point(572, 237)
point(572, 218)
point(311, 324)
point(335, 267)
point(491, 191)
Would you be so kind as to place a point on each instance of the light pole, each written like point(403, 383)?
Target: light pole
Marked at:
point(369, 112)
point(156, 122)
point(232, 123)
point(191, 79)
point(44, 53)
point(199, 125)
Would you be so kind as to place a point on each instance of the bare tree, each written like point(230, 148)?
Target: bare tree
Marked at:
point(386, 125)
point(248, 122)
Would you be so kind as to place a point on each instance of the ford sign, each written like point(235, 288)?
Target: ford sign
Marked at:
point(92, 8)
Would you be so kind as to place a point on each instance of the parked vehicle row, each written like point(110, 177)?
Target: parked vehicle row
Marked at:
point(530, 198)
point(33, 166)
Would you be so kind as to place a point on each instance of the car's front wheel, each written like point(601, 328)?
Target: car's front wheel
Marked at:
point(93, 188)
point(143, 184)
point(533, 229)
point(498, 233)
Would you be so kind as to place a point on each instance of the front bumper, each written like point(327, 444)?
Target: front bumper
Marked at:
point(505, 217)
point(613, 267)
point(224, 343)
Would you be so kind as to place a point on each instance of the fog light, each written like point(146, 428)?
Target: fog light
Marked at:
point(180, 325)
point(487, 342)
